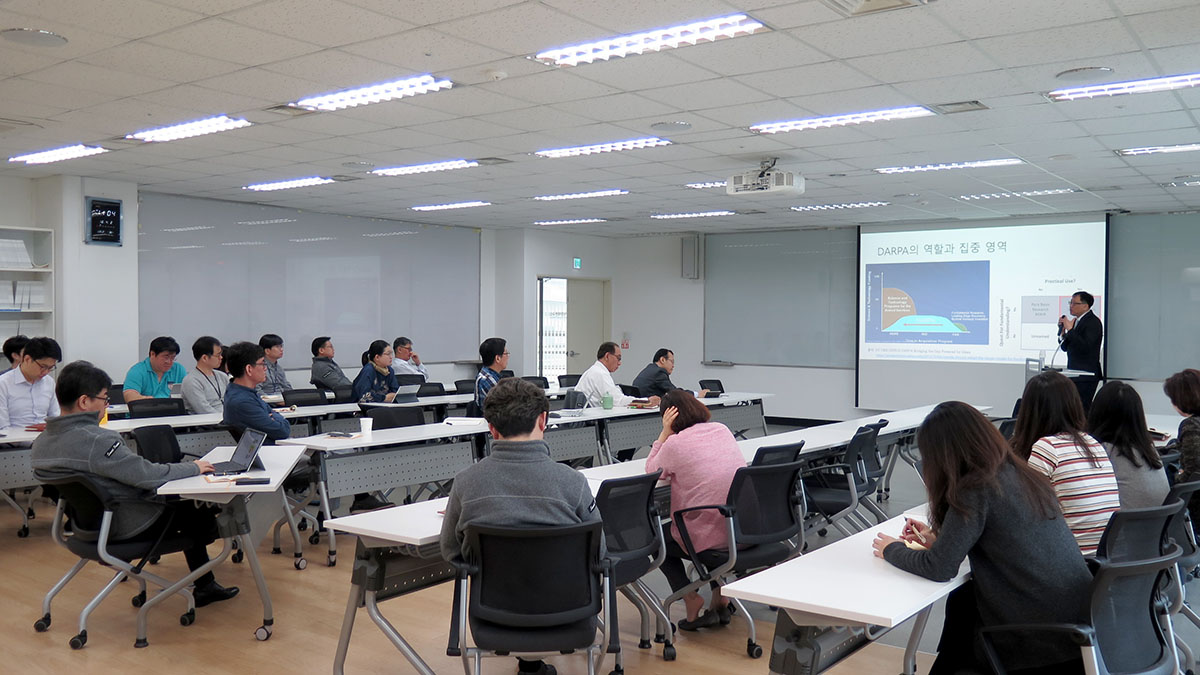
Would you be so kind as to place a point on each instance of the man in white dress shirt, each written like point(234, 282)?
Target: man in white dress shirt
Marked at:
point(597, 380)
point(27, 391)
point(406, 361)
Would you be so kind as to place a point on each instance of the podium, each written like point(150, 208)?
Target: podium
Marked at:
point(1035, 366)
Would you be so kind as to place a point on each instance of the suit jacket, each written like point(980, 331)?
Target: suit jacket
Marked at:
point(653, 381)
point(1082, 344)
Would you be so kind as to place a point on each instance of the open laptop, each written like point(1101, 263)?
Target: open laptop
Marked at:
point(245, 455)
point(407, 393)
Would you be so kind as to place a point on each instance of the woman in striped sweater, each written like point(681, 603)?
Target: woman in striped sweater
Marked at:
point(1049, 434)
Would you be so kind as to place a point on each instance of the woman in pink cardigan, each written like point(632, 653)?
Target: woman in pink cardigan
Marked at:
point(698, 458)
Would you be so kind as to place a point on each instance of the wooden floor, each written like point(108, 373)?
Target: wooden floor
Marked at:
point(308, 615)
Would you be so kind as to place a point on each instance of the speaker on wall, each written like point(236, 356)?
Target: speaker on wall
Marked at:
point(692, 256)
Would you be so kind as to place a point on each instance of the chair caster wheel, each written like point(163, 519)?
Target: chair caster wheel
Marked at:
point(78, 641)
point(30, 514)
point(302, 525)
point(23, 532)
point(669, 653)
point(138, 600)
point(262, 633)
point(276, 551)
point(331, 560)
point(314, 539)
point(187, 618)
point(300, 563)
point(43, 624)
point(643, 644)
point(753, 650)
point(237, 556)
point(617, 671)
point(822, 532)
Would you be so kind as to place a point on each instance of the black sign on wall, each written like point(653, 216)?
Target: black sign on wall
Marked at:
point(103, 221)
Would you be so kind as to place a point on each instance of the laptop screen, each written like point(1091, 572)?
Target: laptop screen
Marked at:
point(247, 447)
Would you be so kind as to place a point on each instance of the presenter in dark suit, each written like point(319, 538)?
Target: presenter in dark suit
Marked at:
point(1080, 337)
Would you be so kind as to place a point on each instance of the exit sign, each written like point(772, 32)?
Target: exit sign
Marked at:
point(577, 263)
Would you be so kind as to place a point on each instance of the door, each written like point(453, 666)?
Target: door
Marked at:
point(588, 322)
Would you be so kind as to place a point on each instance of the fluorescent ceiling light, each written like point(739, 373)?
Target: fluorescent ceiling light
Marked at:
point(1158, 149)
point(708, 30)
point(1131, 87)
point(709, 184)
point(444, 207)
point(388, 234)
point(210, 125)
point(58, 154)
point(1027, 193)
point(243, 243)
point(982, 164)
point(577, 221)
point(701, 214)
point(305, 240)
point(1179, 183)
point(180, 248)
point(425, 168)
point(582, 195)
point(190, 228)
point(835, 207)
point(271, 221)
point(632, 144)
point(288, 184)
point(375, 93)
point(842, 120)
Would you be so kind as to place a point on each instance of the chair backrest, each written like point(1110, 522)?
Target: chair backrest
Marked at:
point(464, 386)
point(764, 498)
point(574, 399)
point(777, 454)
point(631, 523)
point(538, 380)
point(473, 410)
point(871, 455)
point(410, 378)
point(343, 393)
point(1137, 534)
point(506, 373)
point(304, 397)
point(158, 444)
point(156, 407)
point(85, 504)
point(568, 380)
point(535, 577)
point(1179, 526)
point(432, 389)
point(712, 385)
point(630, 390)
point(864, 441)
point(1016, 408)
point(1008, 427)
point(391, 418)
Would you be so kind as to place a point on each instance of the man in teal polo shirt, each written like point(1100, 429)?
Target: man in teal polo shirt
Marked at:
point(153, 377)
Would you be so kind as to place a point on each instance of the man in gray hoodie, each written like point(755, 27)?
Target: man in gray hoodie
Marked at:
point(518, 484)
point(75, 443)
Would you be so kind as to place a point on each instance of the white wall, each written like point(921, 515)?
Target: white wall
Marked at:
point(16, 202)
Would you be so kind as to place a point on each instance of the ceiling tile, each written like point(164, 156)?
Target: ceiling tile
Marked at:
point(985, 18)
point(525, 29)
point(263, 84)
point(549, 87)
point(425, 13)
point(703, 95)
point(648, 71)
point(324, 22)
point(126, 18)
point(814, 79)
point(796, 14)
point(144, 58)
point(876, 33)
point(1060, 44)
point(233, 42)
point(1167, 28)
point(83, 76)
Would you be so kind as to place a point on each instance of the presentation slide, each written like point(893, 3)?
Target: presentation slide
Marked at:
point(977, 294)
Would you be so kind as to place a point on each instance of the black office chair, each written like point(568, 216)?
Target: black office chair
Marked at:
point(116, 394)
point(777, 454)
point(634, 539)
point(575, 400)
point(392, 418)
point(90, 507)
point(299, 397)
point(761, 519)
point(712, 385)
point(464, 386)
point(409, 379)
point(630, 390)
point(568, 380)
point(156, 407)
point(538, 380)
point(506, 373)
point(533, 591)
point(1126, 631)
point(343, 394)
point(837, 489)
point(158, 444)
point(432, 389)
point(1179, 529)
point(875, 461)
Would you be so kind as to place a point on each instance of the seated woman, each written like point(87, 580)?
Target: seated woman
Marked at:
point(1118, 421)
point(988, 505)
point(1183, 388)
point(698, 458)
point(376, 382)
point(1049, 435)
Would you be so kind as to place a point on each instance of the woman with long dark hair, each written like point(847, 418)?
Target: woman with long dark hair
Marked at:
point(1050, 435)
point(376, 382)
point(988, 505)
point(1118, 421)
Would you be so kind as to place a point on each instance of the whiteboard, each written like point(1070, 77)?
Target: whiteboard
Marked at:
point(236, 271)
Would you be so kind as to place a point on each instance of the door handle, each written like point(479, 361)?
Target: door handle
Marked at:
point(572, 353)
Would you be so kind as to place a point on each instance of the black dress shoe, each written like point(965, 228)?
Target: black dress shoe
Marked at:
point(213, 592)
point(369, 503)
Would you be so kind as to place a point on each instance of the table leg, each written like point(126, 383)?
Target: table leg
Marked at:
point(264, 631)
point(914, 641)
point(174, 588)
point(384, 625)
point(324, 491)
point(356, 599)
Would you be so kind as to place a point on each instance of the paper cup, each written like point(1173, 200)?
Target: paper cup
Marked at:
point(365, 424)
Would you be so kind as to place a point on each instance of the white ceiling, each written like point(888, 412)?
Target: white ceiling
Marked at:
point(136, 64)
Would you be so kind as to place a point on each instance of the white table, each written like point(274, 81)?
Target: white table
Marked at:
point(16, 471)
point(242, 514)
point(844, 584)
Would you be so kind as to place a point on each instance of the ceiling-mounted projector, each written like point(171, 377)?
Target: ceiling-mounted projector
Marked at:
point(766, 180)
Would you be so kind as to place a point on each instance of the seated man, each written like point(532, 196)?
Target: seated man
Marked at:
point(276, 381)
point(326, 373)
point(493, 353)
point(517, 485)
point(27, 391)
point(405, 360)
point(655, 379)
point(597, 380)
point(204, 387)
point(75, 443)
point(244, 408)
point(153, 377)
point(12, 349)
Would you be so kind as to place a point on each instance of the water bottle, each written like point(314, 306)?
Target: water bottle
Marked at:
point(1041, 360)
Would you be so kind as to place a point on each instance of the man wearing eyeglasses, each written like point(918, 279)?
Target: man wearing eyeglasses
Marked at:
point(598, 381)
point(244, 408)
point(27, 391)
point(1080, 337)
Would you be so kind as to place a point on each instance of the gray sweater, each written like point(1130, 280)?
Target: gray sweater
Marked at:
point(327, 374)
point(1027, 569)
point(1138, 486)
point(204, 393)
point(517, 485)
point(73, 444)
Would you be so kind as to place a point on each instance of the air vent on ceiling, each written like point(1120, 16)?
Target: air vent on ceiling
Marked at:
point(343, 178)
point(492, 161)
point(956, 107)
point(860, 7)
point(289, 110)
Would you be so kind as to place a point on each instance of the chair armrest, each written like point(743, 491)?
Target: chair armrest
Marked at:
point(1082, 634)
point(724, 509)
point(455, 639)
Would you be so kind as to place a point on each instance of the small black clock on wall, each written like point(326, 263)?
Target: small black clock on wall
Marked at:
point(103, 221)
